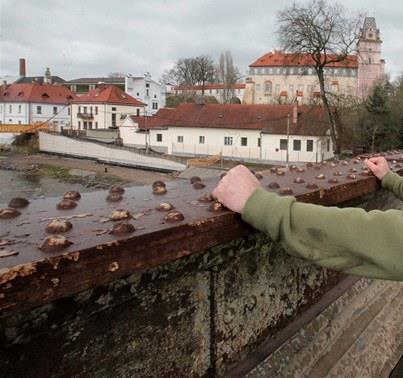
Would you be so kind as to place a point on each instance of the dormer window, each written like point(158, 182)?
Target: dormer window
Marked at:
point(20, 94)
point(45, 95)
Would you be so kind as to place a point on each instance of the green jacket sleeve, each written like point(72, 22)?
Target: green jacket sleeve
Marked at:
point(351, 240)
point(394, 183)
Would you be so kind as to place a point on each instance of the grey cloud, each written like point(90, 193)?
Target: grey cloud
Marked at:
point(88, 38)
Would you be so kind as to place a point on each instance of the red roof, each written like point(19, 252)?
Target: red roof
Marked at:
point(36, 93)
point(268, 118)
point(280, 59)
point(208, 87)
point(108, 95)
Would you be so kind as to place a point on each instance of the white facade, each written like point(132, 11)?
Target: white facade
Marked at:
point(146, 90)
point(231, 143)
point(29, 113)
point(91, 116)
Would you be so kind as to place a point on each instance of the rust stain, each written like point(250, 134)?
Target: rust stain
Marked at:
point(9, 274)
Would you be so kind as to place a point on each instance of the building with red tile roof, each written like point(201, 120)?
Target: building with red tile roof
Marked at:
point(35, 103)
point(252, 132)
point(103, 108)
point(281, 77)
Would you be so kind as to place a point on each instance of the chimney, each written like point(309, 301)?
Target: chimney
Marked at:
point(47, 79)
point(22, 67)
point(295, 113)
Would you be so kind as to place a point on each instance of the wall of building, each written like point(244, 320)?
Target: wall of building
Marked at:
point(25, 113)
point(147, 91)
point(101, 115)
point(290, 80)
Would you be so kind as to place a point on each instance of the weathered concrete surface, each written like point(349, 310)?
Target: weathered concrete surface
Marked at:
point(359, 335)
point(190, 318)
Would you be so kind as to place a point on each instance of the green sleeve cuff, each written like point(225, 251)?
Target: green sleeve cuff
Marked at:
point(389, 180)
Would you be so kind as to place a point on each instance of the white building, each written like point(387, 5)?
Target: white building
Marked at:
point(103, 108)
point(142, 88)
point(242, 132)
point(35, 103)
point(222, 93)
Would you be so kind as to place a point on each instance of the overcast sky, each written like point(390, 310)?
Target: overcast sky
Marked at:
point(83, 38)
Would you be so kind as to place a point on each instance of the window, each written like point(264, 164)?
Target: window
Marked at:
point(85, 110)
point(113, 119)
point(39, 110)
point(202, 139)
point(19, 122)
point(283, 144)
point(259, 142)
point(96, 110)
point(227, 141)
point(147, 92)
point(79, 109)
point(309, 145)
point(79, 125)
point(291, 89)
point(147, 85)
point(54, 110)
point(114, 109)
point(297, 145)
point(159, 137)
point(268, 87)
point(85, 125)
point(180, 139)
point(277, 89)
point(155, 105)
point(244, 141)
point(19, 109)
point(328, 145)
point(96, 124)
point(10, 109)
point(68, 111)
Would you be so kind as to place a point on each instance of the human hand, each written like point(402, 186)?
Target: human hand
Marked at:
point(236, 187)
point(378, 166)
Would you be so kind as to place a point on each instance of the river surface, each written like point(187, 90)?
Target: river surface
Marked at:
point(21, 184)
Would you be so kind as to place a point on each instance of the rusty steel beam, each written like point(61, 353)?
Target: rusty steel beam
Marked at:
point(98, 249)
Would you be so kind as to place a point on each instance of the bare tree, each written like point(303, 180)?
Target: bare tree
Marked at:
point(191, 71)
point(228, 75)
point(326, 32)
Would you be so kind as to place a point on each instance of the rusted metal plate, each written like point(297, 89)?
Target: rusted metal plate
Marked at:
point(30, 276)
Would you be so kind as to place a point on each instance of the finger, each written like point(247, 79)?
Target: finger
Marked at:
point(371, 165)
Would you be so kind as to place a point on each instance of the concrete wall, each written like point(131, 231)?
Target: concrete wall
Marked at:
point(67, 146)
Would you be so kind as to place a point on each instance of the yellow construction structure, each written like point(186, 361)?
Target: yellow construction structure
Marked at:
point(204, 162)
point(23, 128)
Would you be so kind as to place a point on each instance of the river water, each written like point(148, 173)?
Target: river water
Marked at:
point(21, 184)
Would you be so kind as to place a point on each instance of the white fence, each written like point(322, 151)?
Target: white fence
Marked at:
point(84, 149)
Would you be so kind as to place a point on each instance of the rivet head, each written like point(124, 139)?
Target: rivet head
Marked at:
point(206, 198)
point(216, 207)
point(352, 170)
point(158, 183)
point(344, 162)
point(317, 167)
point(299, 180)
point(300, 170)
point(58, 225)
point(280, 172)
point(273, 185)
point(174, 216)
point(259, 176)
point(333, 165)
point(356, 161)
point(66, 204)
point(292, 167)
point(55, 243)
point(159, 190)
point(273, 170)
point(18, 203)
point(116, 189)
point(337, 173)
point(333, 180)
point(9, 213)
point(114, 197)
point(120, 214)
point(72, 195)
point(122, 228)
point(195, 179)
point(285, 191)
point(198, 185)
point(351, 176)
point(309, 165)
point(321, 176)
point(165, 206)
point(312, 186)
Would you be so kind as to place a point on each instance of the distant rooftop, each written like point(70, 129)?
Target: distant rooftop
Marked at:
point(97, 80)
point(39, 80)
